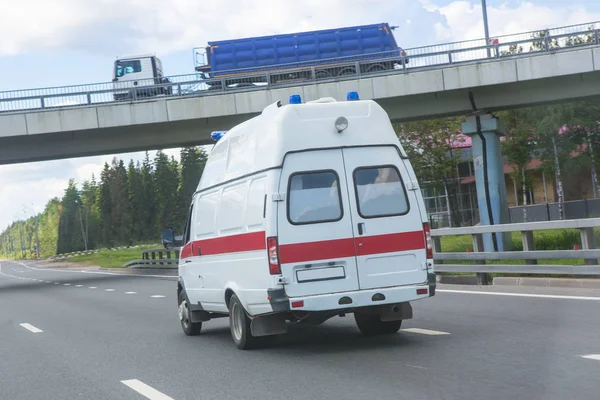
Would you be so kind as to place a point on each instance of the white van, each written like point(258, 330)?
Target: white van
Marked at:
point(137, 76)
point(305, 212)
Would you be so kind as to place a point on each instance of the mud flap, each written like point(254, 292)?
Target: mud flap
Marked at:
point(267, 325)
point(395, 312)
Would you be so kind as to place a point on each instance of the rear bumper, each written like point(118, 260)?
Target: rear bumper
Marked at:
point(354, 299)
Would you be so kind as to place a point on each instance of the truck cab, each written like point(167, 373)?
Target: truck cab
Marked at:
point(138, 77)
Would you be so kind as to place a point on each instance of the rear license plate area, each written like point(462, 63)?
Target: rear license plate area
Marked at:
point(320, 274)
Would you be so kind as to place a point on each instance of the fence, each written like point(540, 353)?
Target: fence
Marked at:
point(479, 256)
point(588, 208)
point(428, 57)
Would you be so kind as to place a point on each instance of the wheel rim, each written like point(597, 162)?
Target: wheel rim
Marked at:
point(183, 314)
point(237, 320)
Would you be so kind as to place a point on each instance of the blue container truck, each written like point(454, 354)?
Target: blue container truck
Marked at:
point(322, 54)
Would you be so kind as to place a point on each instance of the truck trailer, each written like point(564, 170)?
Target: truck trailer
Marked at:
point(319, 54)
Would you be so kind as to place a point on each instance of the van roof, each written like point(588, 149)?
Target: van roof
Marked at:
point(262, 142)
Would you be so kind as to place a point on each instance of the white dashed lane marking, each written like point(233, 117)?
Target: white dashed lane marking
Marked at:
point(424, 331)
point(145, 390)
point(130, 292)
point(592, 357)
point(67, 284)
point(157, 296)
point(92, 287)
point(109, 290)
point(31, 328)
point(78, 285)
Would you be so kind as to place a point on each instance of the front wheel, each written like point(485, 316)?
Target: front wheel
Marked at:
point(239, 323)
point(189, 328)
point(371, 324)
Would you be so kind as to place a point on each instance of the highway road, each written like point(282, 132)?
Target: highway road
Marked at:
point(92, 335)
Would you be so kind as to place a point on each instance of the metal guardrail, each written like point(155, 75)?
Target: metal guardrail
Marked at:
point(420, 58)
point(479, 256)
point(155, 257)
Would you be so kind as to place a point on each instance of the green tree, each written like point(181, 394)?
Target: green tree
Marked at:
point(166, 182)
point(69, 230)
point(430, 147)
point(192, 161)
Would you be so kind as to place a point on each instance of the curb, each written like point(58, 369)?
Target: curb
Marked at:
point(457, 279)
point(547, 282)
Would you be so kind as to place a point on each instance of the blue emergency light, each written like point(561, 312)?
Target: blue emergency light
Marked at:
point(295, 99)
point(216, 135)
point(351, 96)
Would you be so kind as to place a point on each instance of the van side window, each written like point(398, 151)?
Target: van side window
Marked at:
point(314, 197)
point(380, 192)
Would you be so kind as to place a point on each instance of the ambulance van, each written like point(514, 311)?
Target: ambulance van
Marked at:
point(305, 212)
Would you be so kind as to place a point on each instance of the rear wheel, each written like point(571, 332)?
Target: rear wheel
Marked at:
point(371, 324)
point(189, 328)
point(239, 323)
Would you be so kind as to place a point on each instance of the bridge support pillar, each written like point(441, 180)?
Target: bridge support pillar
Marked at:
point(491, 130)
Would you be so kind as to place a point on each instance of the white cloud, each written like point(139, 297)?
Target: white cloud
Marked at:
point(163, 27)
point(463, 19)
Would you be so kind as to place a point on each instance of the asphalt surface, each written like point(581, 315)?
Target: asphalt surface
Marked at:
point(80, 340)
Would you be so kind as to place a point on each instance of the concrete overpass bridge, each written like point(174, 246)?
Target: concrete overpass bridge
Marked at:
point(83, 120)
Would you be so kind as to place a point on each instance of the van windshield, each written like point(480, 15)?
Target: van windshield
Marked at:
point(314, 197)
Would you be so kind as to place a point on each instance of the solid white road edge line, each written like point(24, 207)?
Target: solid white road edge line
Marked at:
point(541, 296)
point(31, 328)
point(592, 357)
point(99, 272)
point(145, 390)
point(424, 331)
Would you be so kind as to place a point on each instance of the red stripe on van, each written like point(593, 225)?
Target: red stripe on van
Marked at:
point(390, 243)
point(342, 248)
point(310, 251)
point(228, 244)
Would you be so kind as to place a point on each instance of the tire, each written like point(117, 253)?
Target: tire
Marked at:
point(371, 324)
point(189, 328)
point(239, 324)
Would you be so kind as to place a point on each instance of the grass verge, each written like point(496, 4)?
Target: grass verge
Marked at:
point(110, 258)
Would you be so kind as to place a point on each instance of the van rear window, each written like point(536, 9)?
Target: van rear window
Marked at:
point(314, 197)
point(380, 192)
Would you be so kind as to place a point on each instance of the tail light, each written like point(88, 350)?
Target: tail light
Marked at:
point(273, 253)
point(428, 241)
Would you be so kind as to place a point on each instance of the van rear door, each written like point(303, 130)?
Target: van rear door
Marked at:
point(316, 242)
point(387, 224)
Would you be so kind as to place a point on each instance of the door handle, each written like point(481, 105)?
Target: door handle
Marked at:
point(361, 228)
point(187, 261)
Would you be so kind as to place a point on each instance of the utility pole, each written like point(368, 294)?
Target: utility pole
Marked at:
point(21, 235)
point(82, 230)
point(485, 27)
point(37, 238)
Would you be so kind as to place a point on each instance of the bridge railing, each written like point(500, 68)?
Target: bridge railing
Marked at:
point(478, 260)
point(420, 58)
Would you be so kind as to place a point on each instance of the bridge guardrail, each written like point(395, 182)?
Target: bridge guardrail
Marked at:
point(419, 58)
point(588, 251)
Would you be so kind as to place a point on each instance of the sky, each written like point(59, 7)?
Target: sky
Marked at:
point(69, 42)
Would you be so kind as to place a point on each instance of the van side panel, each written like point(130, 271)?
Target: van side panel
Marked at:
point(229, 248)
